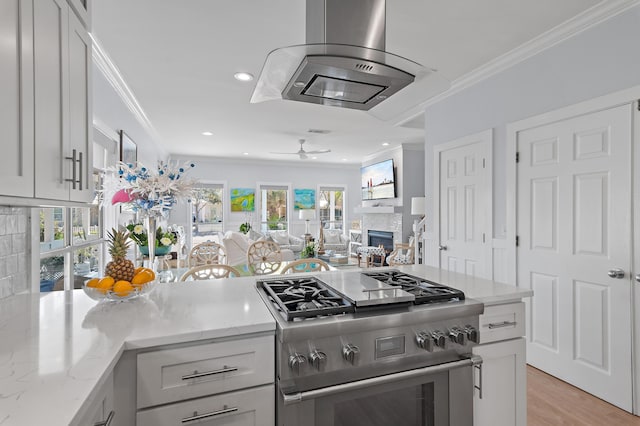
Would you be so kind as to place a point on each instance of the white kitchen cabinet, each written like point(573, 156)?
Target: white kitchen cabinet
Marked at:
point(62, 55)
point(16, 95)
point(82, 8)
point(503, 375)
point(251, 407)
point(101, 411)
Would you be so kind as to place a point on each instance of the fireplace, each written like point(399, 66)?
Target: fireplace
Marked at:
point(384, 238)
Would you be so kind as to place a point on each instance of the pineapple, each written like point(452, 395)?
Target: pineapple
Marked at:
point(120, 268)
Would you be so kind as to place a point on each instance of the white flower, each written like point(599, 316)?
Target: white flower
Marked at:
point(165, 241)
point(138, 229)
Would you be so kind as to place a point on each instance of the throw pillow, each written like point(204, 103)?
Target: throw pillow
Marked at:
point(280, 237)
point(331, 237)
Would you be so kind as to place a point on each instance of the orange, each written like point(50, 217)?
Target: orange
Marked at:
point(105, 284)
point(138, 269)
point(93, 282)
point(122, 288)
point(143, 277)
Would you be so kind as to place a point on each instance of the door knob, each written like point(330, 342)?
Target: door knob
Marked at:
point(638, 277)
point(616, 273)
point(443, 248)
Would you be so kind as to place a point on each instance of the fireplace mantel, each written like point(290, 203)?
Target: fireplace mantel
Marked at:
point(378, 209)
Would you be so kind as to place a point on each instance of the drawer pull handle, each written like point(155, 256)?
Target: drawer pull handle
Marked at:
point(501, 324)
point(197, 416)
point(197, 375)
point(108, 421)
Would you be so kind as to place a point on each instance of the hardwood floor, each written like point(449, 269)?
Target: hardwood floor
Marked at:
point(552, 402)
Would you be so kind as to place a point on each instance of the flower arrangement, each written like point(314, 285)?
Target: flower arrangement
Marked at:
point(153, 193)
point(308, 251)
point(138, 233)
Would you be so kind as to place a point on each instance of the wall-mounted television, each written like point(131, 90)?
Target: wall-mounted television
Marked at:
point(378, 181)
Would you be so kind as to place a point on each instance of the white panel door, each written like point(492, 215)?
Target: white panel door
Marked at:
point(465, 206)
point(574, 225)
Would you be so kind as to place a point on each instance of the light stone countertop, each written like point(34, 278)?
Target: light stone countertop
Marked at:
point(56, 349)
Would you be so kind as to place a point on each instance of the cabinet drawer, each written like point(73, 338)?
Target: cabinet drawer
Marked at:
point(502, 322)
point(191, 372)
point(240, 408)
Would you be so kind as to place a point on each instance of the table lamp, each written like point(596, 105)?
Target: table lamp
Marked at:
point(306, 215)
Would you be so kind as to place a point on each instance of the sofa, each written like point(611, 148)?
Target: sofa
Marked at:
point(285, 240)
point(335, 241)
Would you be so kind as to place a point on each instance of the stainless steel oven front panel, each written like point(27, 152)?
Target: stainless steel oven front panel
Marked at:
point(435, 395)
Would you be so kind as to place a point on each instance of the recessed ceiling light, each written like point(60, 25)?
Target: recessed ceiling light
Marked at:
point(382, 96)
point(245, 153)
point(243, 76)
point(344, 159)
point(298, 84)
point(207, 133)
point(314, 158)
point(385, 143)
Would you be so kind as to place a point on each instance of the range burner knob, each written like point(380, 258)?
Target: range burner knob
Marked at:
point(457, 335)
point(439, 338)
point(297, 362)
point(318, 359)
point(472, 333)
point(351, 353)
point(425, 341)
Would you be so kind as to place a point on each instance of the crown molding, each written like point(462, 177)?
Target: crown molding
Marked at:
point(588, 19)
point(112, 74)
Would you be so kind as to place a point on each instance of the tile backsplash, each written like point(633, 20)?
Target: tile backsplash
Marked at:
point(14, 241)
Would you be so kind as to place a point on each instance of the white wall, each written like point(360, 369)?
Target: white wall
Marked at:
point(601, 60)
point(247, 174)
point(112, 115)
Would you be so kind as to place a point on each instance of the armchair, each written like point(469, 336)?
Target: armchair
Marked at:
point(335, 240)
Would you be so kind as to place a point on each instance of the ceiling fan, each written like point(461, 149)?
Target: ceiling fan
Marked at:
point(302, 153)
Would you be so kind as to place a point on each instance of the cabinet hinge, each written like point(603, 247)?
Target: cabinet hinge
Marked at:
point(483, 239)
point(484, 162)
point(517, 241)
point(517, 157)
point(638, 104)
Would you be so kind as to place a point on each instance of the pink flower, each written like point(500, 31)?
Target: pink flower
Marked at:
point(122, 196)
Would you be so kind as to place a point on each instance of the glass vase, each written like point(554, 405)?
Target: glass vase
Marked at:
point(150, 224)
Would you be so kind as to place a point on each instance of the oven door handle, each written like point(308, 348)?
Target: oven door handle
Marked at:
point(293, 398)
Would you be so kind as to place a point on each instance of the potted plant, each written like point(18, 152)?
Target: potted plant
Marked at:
point(164, 239)
point(245, 227)
point(308, 251)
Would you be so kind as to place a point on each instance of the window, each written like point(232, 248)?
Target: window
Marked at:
point(71, 239)
point(206, 212)
point(331, 207)
point(274, 201)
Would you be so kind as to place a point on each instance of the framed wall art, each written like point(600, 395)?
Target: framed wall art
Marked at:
point(304, 199)
point(128, 149)
point(242, 199)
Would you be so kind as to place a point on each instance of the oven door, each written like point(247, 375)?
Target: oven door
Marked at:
point(436, 395)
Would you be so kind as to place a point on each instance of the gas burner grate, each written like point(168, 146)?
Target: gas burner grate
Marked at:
point(306, 297)
point(425, 291)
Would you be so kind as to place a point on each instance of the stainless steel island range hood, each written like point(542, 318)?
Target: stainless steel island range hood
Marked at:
point(344, 62)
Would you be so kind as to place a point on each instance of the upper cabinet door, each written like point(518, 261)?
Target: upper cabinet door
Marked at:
point(16, 94)
point(80, 111)
point(51, 26)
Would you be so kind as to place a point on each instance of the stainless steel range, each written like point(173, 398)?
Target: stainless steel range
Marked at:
point(373, 348)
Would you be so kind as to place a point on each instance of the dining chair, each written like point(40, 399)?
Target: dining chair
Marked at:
point(209, 272)
point(264, 257)
point(207, 253)
point(306, 265)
